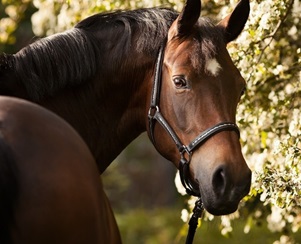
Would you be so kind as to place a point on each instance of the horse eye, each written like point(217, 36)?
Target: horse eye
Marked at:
point(180, 82)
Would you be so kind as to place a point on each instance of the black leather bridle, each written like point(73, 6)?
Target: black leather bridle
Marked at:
point(185, 151)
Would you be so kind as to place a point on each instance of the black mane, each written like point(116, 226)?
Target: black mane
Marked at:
point(150, 26)
point(71, 57)
point(94, 45)
point(55, 62)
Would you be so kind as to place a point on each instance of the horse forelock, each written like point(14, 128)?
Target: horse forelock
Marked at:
point(206, 44)
point(203, 45)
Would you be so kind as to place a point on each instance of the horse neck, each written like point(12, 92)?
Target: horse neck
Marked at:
point(109, 107)
point(109, 111)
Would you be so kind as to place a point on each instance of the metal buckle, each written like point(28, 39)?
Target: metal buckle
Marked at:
point(152, 111)
point(184, 151)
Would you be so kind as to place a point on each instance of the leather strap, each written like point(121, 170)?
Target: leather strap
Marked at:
point(154, 115)
point(224, 126)
point(155, 99)
point(162, 121)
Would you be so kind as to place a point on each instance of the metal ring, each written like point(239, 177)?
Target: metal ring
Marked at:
point(184, 150)
point(152, 111)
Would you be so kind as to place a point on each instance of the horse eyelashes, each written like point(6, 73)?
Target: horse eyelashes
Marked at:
point(180, 82)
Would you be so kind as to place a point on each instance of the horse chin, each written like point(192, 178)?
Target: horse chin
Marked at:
point(219, 207)
point(212, 204)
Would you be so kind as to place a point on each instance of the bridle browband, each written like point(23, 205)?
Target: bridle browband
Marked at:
point(185, 151)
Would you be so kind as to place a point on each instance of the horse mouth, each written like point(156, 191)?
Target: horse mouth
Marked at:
point(223, 205)
point(222, 209)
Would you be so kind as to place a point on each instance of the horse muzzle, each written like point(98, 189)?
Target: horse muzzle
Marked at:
point(222, 191)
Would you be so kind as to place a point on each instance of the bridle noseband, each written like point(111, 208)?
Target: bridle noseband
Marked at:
point(185, 151)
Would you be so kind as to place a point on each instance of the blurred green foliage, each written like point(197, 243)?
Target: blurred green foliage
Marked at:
point(163, 225)
point(15, 24)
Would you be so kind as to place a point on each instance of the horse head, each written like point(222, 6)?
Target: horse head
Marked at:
point(199, 87)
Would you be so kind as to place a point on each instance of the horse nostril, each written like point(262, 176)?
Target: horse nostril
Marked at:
point(219, 181)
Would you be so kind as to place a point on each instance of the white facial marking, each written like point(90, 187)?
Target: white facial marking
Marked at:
point(213, 67)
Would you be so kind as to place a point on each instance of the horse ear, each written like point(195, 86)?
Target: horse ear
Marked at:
point(234, 23)
point(188, 17)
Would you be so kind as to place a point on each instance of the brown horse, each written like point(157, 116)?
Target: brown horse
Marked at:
point(99, 77)
point(50, 189)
